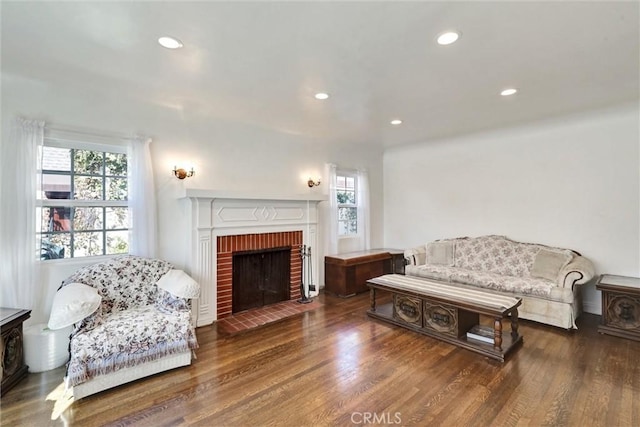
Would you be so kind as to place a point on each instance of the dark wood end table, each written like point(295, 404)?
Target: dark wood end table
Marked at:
point(13, 367)
point(620, 306)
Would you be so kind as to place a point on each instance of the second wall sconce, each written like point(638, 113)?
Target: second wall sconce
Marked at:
point(183, 173)
point(311, 183)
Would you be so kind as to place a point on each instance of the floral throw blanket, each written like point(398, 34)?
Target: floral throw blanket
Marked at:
point(136, 323)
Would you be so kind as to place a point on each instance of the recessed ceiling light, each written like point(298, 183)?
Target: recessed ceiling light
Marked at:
point(170, 42)
point(448, 37)
point(321, 95)
point(508, 92)
point(396, 122)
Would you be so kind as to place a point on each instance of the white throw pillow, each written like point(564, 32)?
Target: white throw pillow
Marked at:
point(180, 284)
point(548, 263)
point(73, 303)
point(441, 253)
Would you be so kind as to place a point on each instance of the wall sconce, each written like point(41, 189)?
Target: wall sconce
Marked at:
point(311, 183)
point(182, 173)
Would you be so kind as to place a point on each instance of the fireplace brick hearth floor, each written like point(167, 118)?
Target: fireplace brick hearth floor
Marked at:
point(253, 318)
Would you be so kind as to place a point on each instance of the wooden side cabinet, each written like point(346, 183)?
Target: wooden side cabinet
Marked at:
point(13, 367)
point(620, 306)
point(347, 274)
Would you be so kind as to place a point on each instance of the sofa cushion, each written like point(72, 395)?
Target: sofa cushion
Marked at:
point(440, 253)
point(549, 263)
point(436, 272)
point(520, 286)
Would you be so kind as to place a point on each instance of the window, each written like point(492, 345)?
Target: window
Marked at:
point(82, 200)
point(346, 191)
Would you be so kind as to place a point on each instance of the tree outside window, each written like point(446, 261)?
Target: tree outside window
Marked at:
point(82, 202)
point(347, 204)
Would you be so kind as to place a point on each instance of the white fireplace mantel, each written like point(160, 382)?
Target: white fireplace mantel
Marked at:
point(218, 213)
point(197, 193)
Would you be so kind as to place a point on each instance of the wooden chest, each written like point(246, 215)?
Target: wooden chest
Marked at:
point(347, 274)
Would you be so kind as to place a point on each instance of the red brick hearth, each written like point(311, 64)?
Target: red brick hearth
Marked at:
point(227, 245)
point(256, 317)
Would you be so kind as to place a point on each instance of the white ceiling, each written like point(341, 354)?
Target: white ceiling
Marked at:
point(261, 62)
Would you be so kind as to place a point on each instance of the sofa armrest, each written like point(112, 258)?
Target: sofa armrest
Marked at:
point(416, 256)
point(579, 271)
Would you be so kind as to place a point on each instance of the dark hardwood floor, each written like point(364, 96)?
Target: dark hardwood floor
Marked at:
point(334, 366)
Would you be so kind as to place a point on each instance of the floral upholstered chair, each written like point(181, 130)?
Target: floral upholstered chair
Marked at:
point(132, 318)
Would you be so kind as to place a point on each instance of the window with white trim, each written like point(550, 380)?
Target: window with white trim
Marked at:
point(346, 192)
point(82, 200)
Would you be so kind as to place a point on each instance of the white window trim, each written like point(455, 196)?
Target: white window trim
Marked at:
point(84, 145)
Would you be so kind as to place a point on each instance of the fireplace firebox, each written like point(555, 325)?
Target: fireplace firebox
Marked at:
point(231, 249)
point(260, 278)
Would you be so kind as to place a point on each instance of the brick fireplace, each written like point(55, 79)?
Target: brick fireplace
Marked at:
point(223, 223)
point(227, 245)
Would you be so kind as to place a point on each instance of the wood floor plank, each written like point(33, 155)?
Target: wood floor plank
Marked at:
point(336, 366)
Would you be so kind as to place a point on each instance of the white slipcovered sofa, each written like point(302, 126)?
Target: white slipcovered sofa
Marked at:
point(131, 317)
point(546, 278)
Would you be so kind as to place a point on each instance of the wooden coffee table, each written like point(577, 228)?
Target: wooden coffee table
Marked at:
point(447, 312)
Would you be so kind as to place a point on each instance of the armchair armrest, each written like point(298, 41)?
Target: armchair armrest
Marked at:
point(175, 290)
point(579, 271)
point(168, 302)
point(416, 256)
point(179, 284)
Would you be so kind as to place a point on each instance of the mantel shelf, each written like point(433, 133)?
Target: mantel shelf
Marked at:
point(198, 193)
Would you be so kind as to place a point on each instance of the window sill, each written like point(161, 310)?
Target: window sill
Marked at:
point(80, 261)
point(349, 237)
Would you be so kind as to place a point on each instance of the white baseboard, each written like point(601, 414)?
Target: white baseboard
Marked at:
point(593, 307)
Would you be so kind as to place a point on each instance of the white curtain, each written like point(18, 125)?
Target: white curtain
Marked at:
point(363, 209)
point(19, 257)
point(142, 199)
point(331, 227)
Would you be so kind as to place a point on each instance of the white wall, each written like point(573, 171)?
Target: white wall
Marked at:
point(226, 155)
point(572, 182)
